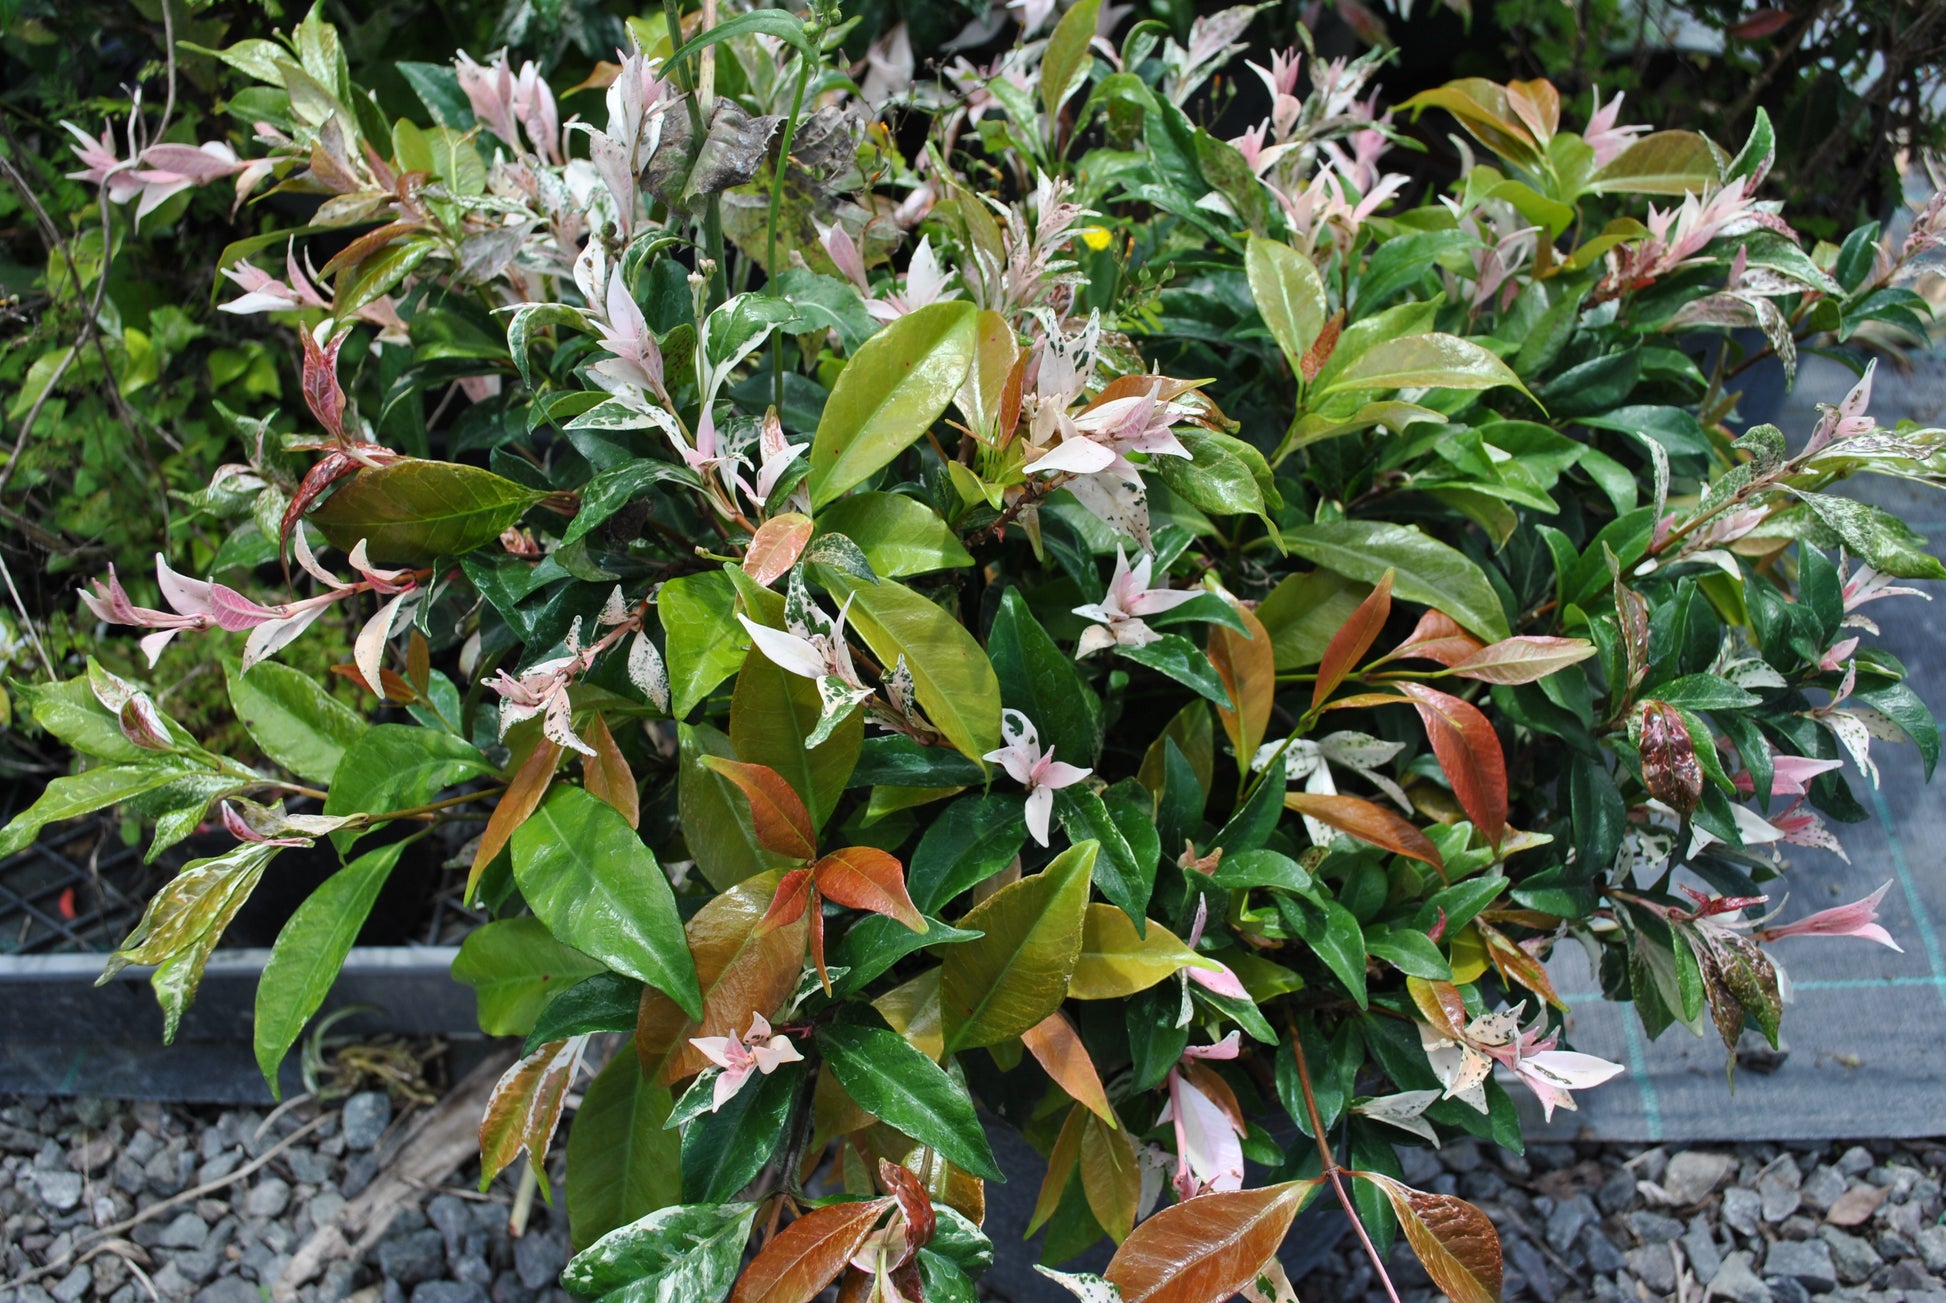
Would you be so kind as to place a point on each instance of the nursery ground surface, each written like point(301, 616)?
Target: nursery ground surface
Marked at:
point(1865, 1056)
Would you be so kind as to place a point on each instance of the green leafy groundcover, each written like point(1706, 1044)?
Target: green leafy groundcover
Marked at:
point(1135, 631)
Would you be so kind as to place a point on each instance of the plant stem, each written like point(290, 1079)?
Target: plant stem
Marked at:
point(1332, 1172)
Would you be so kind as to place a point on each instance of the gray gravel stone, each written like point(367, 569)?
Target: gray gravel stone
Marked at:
point(1694, 1174)
point(1565, 1222)
point(449, 1291)
point(74, 1286)
point(538, 1260)
point(1806, 1261)
point(1601, 1254)
point(365, 1117)
point(1653, 1228)
point(1931, 1241)
point(229, 1289)
point(1742, 1208)
point(1654, 1266)
point(59, 1190)
point(1735, 1281)
point(412, 1258)
point(1699, 1246)
point(186, 1231)
point(1778, 1189)
point(340, 1278)
point(267, 1198)
point(307, 1166)
point(172, 1284)
point(1823, 1186)
point(1855, 1258)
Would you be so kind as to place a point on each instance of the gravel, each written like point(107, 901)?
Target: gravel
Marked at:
point(1745, 1223)
point(68, 1167)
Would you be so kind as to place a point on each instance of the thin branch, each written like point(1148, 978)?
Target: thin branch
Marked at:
point(1332, 1172)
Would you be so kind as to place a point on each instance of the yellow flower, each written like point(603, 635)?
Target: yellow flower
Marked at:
point(1095, 237)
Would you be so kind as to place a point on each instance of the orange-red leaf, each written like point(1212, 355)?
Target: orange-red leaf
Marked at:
point(788, 905)
point(808, 1254)
point(1514, 964)
point(775, 547)
point(777, 813)
point(741, 968)
point(529, 784)
point(1468, 751)
point(606, 773)
point(1437, 637)
point(1058, 1049)
point(1670, 769)
point(418, 663)
point(1523, 659)
point(1206, 1249)
point(525, 1107)
point(1440, 1004)
point(1454, 1241)
point(864, 877)
point(1062, 1161)
point(1368, 822)
point(1248, 668)
point(1312, 363)
point(915, 1205)
point(1349, 645)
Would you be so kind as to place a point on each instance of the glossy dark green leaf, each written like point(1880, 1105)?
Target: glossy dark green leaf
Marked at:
point(610, 491)
point(723, 1151)
point(876, 942)
point(585, 873)
point(604, 1002)
point(892, 1081)
point(1333, 934)
point(1182, 660)
point(310, 950)
point(620, 1159)
point(412, 512)
point(971, 840)
point(1426, 571)
point(1040, 681)
point(1261, 868)
point(1599, 814)
point(398, 767)
point(900, 536)
point(895, 760)
point(1120, 875)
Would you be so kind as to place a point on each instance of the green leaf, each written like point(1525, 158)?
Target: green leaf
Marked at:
point(70, 711)
point(1877, 535)
point(515, 967)
point(413, 512)
point(619, 1157)
point(723, 1150)
point(1014, 976)
point(604, 1002)
point(1704, 692)
point(1303, 612)
point(310, 950)
point(1663, 163)
point(1185, 662)
point(1409, 952)
point(610, 491)
point(686, 1254)
point(1040, 681)
point(889, 394)
point(1426, 571)
point(396, 767)
point(773, 713)
point(1120, 874)
point(1064, 68)
point(587, 876)
point(1430, 361)
point(73, 795)
point(1289, 295)
point(1598, 813)
point(1333, 933)
point(1260, 868)
point(953, 678)
point(779, 23)
point(705, 645)
point(971, 840)
point(183, 923)
point(900, 536)
point(898, 1084)
point(292, 719)
point(877, 942)
point(715, 816)
point(1223, 474)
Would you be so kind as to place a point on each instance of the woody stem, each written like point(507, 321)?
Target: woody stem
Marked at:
point(1332, 1172)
